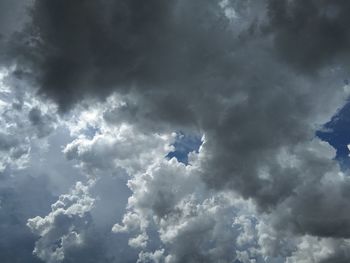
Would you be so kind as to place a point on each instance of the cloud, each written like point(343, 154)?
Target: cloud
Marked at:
point(61, 228)
point(155, 60)
point(170, 204)
point(171, 199)
point(89, 48)
point(255, 79)
point(20, 199)
point(113, 148)
point(23, 120)
point(13, 16)
point(40, 122)
point(33, 171)
point(310, 34)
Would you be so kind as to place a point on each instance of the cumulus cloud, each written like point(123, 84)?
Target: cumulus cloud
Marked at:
point(61, 228)
point(170, 200)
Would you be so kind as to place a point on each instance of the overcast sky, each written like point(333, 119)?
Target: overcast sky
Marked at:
point(174, 131)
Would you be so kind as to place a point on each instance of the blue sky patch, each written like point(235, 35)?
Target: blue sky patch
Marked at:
point(337, 133)
point(184, 144)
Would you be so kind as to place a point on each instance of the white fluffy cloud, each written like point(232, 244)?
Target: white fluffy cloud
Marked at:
point(61, 228)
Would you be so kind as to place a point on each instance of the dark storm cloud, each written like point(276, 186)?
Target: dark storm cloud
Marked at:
point(92, 47)
point(311, 34)
point(342, 257)
point(12, 15)
point(187, 64)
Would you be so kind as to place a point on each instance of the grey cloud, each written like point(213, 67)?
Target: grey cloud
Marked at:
point(187, 63)
point(317, 205)
point(311, 34)
point(6, 142)
point(22, 121)
point(33, 169)
point(184, 64)
point(341, 256)
point(179, 61)
point(13, 14)
point(333, 251)
point(91, 48)
point(78, 228)
point(61, 228)
point(184, 213)
point(42, 122)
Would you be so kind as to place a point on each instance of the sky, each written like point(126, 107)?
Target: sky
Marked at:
point(178, 131)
